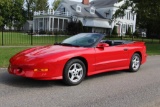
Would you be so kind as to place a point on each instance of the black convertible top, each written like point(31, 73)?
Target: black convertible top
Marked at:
point(116, 42)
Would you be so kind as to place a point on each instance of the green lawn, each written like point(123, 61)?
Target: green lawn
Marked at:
point(153, 49)
point(6, 53)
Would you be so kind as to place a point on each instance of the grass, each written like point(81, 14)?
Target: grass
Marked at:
point(153, 49)
point(6, 53)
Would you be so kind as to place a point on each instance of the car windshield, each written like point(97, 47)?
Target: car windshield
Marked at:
point(83, 40)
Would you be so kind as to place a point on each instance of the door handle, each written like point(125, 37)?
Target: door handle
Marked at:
point(125, 49)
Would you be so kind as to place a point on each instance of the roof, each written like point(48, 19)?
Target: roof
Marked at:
point(71, 6)
point(99, 19)
point(85, 9)
point(97, 23)
point(103, 3)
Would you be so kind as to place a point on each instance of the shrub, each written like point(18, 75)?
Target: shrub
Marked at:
point(41, 32)
point(49, 33)
point(114, 32)
point(129, 31)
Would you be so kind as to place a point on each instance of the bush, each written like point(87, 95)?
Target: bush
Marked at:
point(49, 33)
point(42, 32)
point(136, 34)
point(114, 32)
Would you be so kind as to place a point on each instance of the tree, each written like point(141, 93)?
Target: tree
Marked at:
point(56, 4)
point(79, 27)
point(75, 26)
point(30, 5)
point(41, 5)
point(18, 13)
point(11, 13)
point(148, 12)
point(5, 11)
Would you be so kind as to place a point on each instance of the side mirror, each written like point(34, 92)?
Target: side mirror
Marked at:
point(102, 45)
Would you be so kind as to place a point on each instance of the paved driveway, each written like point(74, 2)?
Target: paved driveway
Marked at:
point(116, 89)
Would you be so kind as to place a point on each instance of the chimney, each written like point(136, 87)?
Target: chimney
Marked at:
point(85, 2)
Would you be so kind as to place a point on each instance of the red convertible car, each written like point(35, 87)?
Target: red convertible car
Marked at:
point(81, 55)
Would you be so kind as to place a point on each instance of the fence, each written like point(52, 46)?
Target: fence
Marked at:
point(150, 39)
point(25, 38)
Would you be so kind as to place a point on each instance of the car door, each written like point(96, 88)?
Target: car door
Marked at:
point(112, 57)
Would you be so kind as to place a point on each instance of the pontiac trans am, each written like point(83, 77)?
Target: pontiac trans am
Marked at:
point(81, 55)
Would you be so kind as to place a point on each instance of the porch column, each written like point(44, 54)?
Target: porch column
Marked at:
point(49, 23)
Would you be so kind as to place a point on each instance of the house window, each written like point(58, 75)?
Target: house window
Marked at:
point(40, 24)
point(108, 13)
point(78, 9)
point(92, 10)
point(62, 10)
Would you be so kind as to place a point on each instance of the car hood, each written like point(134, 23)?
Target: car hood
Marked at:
point(47, 50)
point(40, 53)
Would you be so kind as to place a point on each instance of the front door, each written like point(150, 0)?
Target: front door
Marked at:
point(111, 58)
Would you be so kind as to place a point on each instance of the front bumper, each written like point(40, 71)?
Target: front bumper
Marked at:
point(28, 71)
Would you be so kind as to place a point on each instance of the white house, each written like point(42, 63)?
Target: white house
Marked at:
point(96, 14)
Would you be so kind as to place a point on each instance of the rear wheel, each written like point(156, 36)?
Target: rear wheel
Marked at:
point(74, 72)
point(135, 63)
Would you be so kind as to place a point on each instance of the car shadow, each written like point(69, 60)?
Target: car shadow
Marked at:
point(22, 82)
point(106, 74)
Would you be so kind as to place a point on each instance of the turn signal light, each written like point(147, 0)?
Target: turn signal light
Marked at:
point(41, 70)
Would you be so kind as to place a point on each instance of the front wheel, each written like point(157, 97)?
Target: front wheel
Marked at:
point(135, 63)
point(74, 72)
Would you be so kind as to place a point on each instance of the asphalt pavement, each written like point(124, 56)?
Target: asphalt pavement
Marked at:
point(114, 89)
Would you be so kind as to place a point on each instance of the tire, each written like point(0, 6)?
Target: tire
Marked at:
point(135, 63)
point(74, 72)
